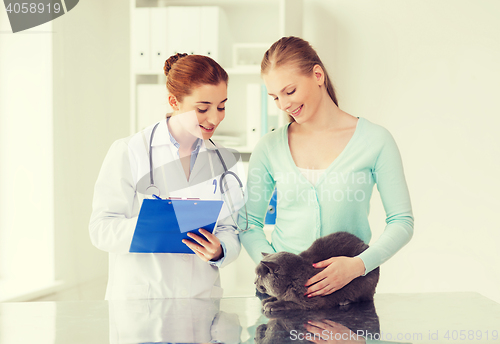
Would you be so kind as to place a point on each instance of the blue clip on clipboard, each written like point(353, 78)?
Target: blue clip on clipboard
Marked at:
point(162, 224)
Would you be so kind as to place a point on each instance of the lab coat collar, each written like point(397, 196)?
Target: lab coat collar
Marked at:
point(162, 137)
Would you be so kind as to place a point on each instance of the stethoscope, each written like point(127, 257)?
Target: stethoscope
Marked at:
point(222, 180)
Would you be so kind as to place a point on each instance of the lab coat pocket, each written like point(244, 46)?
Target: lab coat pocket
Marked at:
point(216, 292)
point(131, 292)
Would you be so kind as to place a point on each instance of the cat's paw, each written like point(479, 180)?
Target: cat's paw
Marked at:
point(268, 308)
point(269, 299)
point(274, 307)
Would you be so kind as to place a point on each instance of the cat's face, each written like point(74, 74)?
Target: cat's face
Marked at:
point(276, 331)
point(276, 272)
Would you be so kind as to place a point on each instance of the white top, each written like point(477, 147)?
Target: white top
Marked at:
point(311, 175)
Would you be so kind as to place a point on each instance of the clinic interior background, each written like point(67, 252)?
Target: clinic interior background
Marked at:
point(427, 70)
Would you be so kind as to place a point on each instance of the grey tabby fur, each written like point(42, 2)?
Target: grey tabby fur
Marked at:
point(282, 276)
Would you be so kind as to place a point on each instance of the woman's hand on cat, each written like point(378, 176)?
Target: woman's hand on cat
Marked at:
point(338, 272)
point(209, 249)
point(330, 332)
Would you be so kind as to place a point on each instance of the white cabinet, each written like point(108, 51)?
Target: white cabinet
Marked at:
point(211, 38)
point(149, 39)
point(159, 32)
point(159, 29)
point(184, 30)
point(141, 55)
point(253, 128)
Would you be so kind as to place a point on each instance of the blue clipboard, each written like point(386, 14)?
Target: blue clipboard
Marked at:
point(162, 224)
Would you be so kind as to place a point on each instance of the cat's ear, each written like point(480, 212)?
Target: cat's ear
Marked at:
point(264, 254)
point(273, 267)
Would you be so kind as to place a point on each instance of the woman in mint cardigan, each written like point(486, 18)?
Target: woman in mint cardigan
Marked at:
point(324, 164)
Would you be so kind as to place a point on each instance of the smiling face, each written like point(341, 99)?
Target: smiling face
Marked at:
point(207, 103)
point(297, 94)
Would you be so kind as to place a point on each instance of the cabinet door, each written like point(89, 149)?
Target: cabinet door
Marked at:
point(159, 29)
point(141, 57)
point(254, 116)
point(209, 35)
point(184, 29)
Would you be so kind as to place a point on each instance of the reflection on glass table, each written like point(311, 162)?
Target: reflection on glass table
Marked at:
point(352, 323)
point(463, 317)
point(172, 321)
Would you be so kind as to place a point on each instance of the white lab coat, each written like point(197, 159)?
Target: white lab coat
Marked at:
point(118, 194)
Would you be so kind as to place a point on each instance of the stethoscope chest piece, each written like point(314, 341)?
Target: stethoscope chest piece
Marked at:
point(152, 190)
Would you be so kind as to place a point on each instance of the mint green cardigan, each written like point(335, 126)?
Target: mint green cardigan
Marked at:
point(340, 201)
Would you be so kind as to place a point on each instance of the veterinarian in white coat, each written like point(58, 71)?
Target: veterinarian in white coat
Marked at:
point(184, 165)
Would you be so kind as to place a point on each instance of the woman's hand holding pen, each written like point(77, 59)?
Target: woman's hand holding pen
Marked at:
point(209, 249)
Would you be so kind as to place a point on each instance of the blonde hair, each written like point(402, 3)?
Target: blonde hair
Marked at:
point(295, 50)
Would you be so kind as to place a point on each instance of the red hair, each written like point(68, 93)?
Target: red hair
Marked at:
point(185, 72)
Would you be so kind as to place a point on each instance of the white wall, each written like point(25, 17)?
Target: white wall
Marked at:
point(91, 110)
point(64, 98)
point(26, 159)
point(427, 70)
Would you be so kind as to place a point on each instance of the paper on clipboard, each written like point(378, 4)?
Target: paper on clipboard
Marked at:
point(162, 224)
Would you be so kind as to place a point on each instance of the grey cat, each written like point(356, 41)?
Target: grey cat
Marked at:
point(282, 276)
